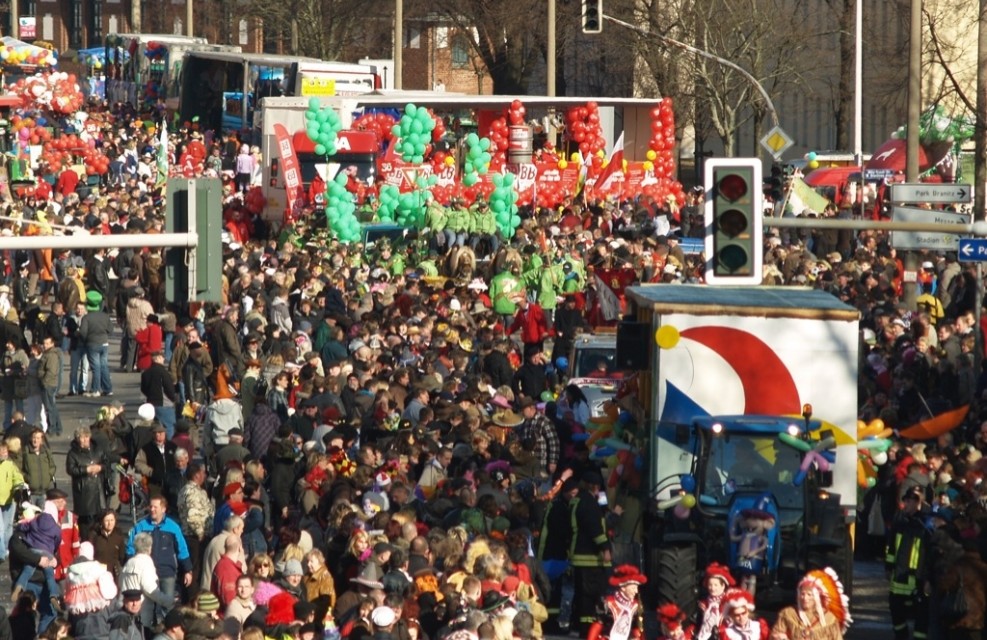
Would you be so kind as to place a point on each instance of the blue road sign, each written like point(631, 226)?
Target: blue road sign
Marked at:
point(973, 250)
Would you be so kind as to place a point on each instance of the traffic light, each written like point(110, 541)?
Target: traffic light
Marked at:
point(195, 205)
point(734, 242)
point(592, 16)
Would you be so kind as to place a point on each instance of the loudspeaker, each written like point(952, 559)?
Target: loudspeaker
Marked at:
point(633, 346)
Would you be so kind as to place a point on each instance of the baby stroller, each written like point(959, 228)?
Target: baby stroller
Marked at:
point(133, 492)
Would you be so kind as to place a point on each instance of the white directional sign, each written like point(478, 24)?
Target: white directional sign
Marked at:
point(932, 240)
point(931, 193)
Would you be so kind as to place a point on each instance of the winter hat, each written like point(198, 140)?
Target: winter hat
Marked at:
point(146, 412)
point(280, 610)
point(86, 550)
point(207, 602)
point(292, 568)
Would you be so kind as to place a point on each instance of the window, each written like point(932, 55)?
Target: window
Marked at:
point(413, 38)
point(441, 37)
point(460, 52)
point(244, 33)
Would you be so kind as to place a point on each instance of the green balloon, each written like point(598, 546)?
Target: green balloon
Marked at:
point(485, 143)
point(320, 150)
point(410, 109)
point(498, 206)
point(313, 104)
point(472, 139)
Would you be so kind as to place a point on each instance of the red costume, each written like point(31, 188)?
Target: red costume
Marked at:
point(735, 629)
point(69, 549)
point(532, 324)
point(621, 616)
point(224, 579)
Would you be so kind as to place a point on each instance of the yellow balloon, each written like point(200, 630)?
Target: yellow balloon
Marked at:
point(648, 165)
point(814, 164)
point(623, 165)
point(688, 501)
point(449, 161)
point(574, 158)
point(652, 154)
point(563, 164)
point(667, 337)
point(600, 154)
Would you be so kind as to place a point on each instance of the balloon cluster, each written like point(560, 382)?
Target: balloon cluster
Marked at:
point(873, 442)
point(936, 126)
point(440, 160)
point(607, 440)
point(415, 132)
point(96, 162)
point(583, 124)
point(516, 113)
point(388, 200)
point(340, 210)
point(683, 503)
point(321, 126)
point(813, 160)
point(30, 130)
point(499, 136)
point(815, 454)
point(27, 55)
point(503, 203)
point(378, 123)
point(661, 156)
point(58, 92)
point(477, 161)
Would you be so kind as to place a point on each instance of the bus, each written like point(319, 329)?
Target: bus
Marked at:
point(145, 67)
point(222, 90)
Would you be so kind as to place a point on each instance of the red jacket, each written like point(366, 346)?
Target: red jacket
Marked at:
point(69, 548)
point(532, 323)
point(149, 339)
point(224, 579)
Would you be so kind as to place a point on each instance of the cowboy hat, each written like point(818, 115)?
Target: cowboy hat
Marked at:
point(507, 418)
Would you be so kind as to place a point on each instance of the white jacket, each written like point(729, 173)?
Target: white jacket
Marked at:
point(140, 573)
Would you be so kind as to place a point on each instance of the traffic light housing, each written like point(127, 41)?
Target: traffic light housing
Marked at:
point(592, 16)
point(734, 225)
point(195, 205)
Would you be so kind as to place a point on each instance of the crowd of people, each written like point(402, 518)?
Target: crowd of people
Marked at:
point(377, 441)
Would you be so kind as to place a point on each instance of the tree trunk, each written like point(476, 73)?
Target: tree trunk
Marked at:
point(843, 108)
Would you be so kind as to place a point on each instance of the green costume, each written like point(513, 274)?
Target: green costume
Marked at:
point(505, 289)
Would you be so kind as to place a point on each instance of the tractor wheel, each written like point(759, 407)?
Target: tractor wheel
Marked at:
point(675, 576)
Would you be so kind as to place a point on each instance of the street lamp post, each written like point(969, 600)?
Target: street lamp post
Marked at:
point(550, 55)
point(398, 42)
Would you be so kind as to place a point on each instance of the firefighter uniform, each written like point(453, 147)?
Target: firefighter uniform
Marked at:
point(906, 567)
point(589, 556)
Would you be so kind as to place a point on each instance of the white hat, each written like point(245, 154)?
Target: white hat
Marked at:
point(86, 550)
point(670, 269)
point(146, 412)
point(455, 305)
point(928, 265)
point(383, 617)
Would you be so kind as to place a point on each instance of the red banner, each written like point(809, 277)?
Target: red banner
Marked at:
point(292, 175)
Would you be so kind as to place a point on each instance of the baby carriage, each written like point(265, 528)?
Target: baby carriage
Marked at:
point(133, 492)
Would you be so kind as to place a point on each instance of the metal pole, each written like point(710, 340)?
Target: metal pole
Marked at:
point(978, 228)
point(980, 168)
point(550, 55)
point(912, 146)
point(15, 18)
point(706, 54)
point(858, 96)
point(121, 241)
point(398, 43)
point(188, 18)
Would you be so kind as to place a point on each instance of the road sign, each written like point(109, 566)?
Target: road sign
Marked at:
point(973, 250)
point(931, 193)
point(776, 142)
point(931, 240)
point(878, 174)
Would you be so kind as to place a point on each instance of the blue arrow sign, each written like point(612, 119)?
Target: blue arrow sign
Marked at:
point(973, 250)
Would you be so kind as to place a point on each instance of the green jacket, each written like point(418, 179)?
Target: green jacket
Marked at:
point(505, 288)
point(482, 221)
point(428, 268)
point(436, 217)
point(396, 264)
point(38, 468)
point(458, 219)
point(550, 286)
point(531, 271)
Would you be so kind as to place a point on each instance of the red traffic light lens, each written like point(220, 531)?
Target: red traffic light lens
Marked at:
point(732, 187)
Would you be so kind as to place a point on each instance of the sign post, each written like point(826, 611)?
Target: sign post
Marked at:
point(931, 193)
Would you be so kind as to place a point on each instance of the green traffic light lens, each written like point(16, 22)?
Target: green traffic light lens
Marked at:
point(732, 257)
point(732, 223)
point(732, 187)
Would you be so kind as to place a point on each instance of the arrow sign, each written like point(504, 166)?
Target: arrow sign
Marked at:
point(931, 193)
point(973, 250)
point(931, 240)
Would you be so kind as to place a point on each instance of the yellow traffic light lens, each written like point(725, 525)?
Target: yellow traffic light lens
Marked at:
point(732, 187)
point(732, 223)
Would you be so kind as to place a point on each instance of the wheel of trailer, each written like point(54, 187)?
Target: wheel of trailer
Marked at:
point(676, 568)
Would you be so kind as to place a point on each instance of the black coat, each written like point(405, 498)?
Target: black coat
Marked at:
point(157, 384)
point(499, 368)
point(160, 463)
point(87, 489)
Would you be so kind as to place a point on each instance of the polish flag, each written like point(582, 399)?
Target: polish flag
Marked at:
point(615, 163)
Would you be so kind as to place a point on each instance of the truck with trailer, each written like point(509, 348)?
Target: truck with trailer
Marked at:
point(727, 377)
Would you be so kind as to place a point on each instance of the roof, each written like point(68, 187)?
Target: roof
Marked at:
point(756, 424)
point(252, 58)
point(469, 101)
point(769, 302)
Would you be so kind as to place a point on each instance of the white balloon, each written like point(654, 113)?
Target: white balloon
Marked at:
point(879, 458)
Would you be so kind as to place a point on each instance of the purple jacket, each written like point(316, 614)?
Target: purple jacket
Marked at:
point(42, 533)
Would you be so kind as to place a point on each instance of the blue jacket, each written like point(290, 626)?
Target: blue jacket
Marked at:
point(170, 552)
point(42, 533)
